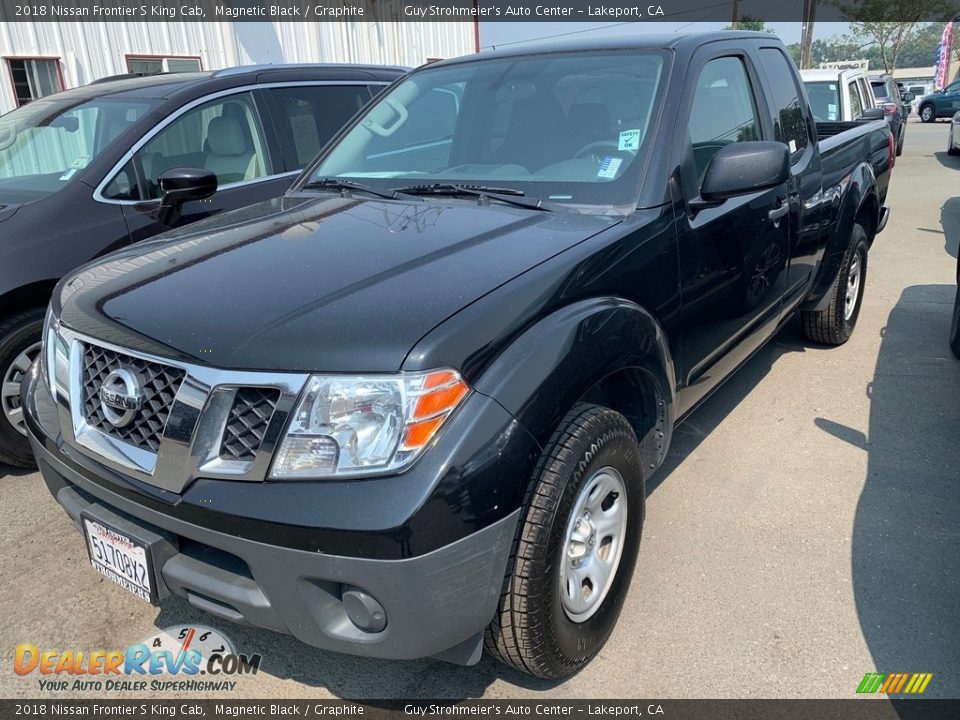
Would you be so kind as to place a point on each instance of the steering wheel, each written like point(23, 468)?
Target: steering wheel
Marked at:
point(590, 149)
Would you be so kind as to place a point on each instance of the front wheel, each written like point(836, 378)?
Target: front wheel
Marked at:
point(927, 114)
point(19, 347)
point(575, 548)
point(834, 324)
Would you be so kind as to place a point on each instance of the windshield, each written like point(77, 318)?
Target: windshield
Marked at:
point(572, 128)
point(824, 100)
point(44, 144)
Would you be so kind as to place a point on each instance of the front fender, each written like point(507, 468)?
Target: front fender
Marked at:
point(560, 359)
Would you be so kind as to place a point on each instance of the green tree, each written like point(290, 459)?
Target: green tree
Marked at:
point(891, 26)
point(748, 22)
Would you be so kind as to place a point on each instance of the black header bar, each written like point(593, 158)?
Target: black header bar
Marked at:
point(607, 11)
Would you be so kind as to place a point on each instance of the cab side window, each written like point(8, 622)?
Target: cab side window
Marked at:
point(790, 125)
point(310, 115)
point(856, 106)
point(724, 110)
point(224, 136)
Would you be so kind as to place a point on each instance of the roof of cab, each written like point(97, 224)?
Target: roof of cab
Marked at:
point(675, 41)
point(829, 73)
point(163, 85)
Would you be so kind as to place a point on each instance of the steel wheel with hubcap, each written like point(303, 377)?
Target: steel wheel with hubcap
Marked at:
point(927, 114)
point(594, 544)
point(834, 324)
point(575, 547)
point(10, 389)
point(19, 347)
point(853, 287)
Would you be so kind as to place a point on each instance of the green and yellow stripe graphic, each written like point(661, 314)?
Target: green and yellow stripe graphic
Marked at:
point(892, 683)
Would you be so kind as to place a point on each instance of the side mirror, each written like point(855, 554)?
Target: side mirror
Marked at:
point(743, 168)
point(180, 185)
point(872, 114)
point(908, 97)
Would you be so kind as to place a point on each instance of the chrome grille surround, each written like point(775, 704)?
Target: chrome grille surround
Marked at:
point(189, 444)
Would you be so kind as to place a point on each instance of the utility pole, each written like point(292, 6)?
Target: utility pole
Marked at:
point(734, 23)
point(806, 37)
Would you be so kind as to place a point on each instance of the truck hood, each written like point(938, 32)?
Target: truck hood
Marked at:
point(321, 283)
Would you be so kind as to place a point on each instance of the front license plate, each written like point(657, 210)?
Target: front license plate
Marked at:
point(121, 558)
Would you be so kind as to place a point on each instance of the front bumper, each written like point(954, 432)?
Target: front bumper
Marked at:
point(436, 604)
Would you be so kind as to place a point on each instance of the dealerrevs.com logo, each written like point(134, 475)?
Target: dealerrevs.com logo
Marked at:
point(177, 659)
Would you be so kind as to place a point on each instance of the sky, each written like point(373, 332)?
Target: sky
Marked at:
point(508, 33)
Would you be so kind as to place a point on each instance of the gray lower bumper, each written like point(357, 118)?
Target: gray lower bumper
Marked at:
point(435, 605)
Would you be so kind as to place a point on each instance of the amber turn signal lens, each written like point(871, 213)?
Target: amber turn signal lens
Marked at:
point(439, 401)
point(419, 434)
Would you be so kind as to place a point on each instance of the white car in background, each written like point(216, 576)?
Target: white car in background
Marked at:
point(953, 139)
point(838, 95)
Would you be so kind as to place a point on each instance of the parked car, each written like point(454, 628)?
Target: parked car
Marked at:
point(838, 95)
point(895, 106)
point(953, 137)
point(409, 407)
point(79, 175)
point(940, 104)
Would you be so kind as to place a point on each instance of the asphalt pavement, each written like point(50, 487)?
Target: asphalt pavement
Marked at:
point(805, 530)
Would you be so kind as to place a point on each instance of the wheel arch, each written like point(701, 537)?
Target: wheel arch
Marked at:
point(608, 351)
point(859, 204)
point(34, 294)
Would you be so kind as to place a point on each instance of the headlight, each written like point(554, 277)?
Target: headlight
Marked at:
point(347, 425)
point(51, 328)
point(55, 367)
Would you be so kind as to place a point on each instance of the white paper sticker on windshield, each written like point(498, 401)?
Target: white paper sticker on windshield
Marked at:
point(68, 174)
point(629, 140)
point(793, 146)
point(608, 167)
point(831, 108)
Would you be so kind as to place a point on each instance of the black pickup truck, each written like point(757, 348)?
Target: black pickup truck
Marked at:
point(407, 409)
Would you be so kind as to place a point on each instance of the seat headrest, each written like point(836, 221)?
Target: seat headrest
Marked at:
point(225, 136)
point(589, 118)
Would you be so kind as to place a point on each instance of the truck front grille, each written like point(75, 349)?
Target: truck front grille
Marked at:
point(248, 422)
point(158, 383)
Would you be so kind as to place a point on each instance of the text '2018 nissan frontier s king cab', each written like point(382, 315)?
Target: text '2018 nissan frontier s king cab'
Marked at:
point(407, 409)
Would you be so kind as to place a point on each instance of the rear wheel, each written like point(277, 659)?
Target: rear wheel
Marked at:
point(903, 134)
point(834, 324)
point(927, 114)
point(575, 549)
point(19, 347)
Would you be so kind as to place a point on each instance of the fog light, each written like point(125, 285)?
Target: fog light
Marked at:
point(363, 610)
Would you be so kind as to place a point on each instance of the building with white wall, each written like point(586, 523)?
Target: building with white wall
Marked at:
point(38, 58)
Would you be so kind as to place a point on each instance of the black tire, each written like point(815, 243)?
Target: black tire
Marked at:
point(927, 113)
point(17, 333)
point(830, 326)
point(952, 150)
point(903, 135)
point(531, 630)
point(955, 326)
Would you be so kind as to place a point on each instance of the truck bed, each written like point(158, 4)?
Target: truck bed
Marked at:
point(843, 143)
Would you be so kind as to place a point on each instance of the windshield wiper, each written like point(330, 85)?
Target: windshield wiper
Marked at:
point(332, 183)
point(508, 195)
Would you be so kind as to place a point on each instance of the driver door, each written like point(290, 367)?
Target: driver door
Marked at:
point(733, 256)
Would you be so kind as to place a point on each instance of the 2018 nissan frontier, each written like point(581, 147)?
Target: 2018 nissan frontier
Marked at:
point(407, 409)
